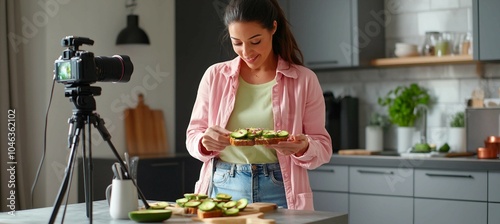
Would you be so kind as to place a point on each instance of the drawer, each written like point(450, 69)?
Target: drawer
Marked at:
point(450, 211)
point(329, 178)
point(494, 186)
point(376, 209)
point(331, 201)
point(493, 214)
point(462, 185)
point(384, 181)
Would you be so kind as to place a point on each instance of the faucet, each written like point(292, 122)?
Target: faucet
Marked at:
point(423, 131)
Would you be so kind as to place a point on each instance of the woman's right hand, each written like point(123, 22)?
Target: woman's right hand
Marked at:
point(215, 138)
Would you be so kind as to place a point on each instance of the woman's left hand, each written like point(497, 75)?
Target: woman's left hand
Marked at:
point(296, 144)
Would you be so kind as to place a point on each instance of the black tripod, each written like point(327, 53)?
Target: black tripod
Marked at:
point(83, 113)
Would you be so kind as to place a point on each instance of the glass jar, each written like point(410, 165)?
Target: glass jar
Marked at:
point(431, 38)
point(443, 44)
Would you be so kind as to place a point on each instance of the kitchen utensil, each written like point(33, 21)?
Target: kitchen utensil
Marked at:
point(122, 198)
point(253, 213)
point(486, 153)
point(145, 130)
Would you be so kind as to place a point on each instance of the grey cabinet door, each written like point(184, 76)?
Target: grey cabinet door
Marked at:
point(380, 209)
point(493, 214)
point(494, 186)
point(486, 29)
point(329, 178)
point(429, 211)
point(331, 201)
point(322, 29)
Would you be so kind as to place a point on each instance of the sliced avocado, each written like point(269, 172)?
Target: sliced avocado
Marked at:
point(242, 203)
point(230, 204)
point(240, 133)
point(231, 211)
point(201, 196)
point(269, 134)
point(223, 196)
point(190, 196)
point(207, 205)
point(282, 133)
point(192, 203)
point(181, 201)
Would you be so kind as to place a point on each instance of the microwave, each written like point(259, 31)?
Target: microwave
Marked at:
point(479, 124)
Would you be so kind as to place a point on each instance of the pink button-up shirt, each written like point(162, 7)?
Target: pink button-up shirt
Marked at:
point(298, 106)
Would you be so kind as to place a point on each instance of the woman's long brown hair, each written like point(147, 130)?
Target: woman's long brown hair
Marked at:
point(266, 12)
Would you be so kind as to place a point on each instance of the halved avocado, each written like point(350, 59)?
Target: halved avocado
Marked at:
point(223, 196)
point(158, 205)
point(230, 204)
point(242, 203)
point(207, 205)
point(231, 211)
point(192, 203)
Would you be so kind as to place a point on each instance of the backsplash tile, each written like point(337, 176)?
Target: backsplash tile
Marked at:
point(444, 4)
point(444, 20)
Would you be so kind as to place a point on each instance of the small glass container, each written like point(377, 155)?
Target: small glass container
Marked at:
point(443, 44)
point(431, 38)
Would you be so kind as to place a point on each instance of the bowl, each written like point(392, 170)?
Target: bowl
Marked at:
point(150, 215)
point(406, 50)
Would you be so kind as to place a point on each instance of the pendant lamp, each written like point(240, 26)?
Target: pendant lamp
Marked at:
point(132, 34)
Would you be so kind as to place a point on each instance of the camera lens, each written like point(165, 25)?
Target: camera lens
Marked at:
point(117, 68)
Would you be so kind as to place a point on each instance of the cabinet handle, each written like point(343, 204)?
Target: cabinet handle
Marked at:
point(448, 175)
point(164, 164)
point(322, 62)
point(324, 170)
point(375, 172)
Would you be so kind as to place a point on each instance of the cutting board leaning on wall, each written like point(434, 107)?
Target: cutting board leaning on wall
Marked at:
point(145, 130)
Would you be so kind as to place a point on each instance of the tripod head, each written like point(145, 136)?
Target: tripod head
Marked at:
point(82, 97)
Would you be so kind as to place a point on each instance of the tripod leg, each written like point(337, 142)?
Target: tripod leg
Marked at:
point(99, 124)
point(64, 185)
point(90, 167)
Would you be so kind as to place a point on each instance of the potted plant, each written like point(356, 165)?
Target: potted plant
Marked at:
point(456, 133)
point(374, 132)
point(403, 105)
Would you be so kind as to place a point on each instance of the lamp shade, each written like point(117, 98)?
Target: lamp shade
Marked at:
point(132, 34)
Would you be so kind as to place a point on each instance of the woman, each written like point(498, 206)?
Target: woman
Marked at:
point(265, 86)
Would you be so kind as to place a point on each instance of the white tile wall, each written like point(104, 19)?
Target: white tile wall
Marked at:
point(449, 85)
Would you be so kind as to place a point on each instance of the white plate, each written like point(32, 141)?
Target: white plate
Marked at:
point(422, 155)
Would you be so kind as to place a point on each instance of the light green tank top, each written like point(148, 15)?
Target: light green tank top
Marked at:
point(253, 108)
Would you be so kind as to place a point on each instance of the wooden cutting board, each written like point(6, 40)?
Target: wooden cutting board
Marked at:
point(357, 152)
point(145, 130)
point(253, 213)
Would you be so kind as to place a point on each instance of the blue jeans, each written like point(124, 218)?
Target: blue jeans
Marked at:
point(255, 182)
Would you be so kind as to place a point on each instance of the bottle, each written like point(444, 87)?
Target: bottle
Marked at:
point(428, 48)
point(442, 46)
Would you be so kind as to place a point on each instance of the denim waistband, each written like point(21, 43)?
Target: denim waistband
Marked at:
point(219, 164)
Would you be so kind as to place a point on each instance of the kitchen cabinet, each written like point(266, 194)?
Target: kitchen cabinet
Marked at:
point(494, 187)
point(159, 178)
point(330, 185)
point(486, 29)
point(342, 33)
point(385, 189)
point(456, 185)
point(450, 212)
point(380, 209)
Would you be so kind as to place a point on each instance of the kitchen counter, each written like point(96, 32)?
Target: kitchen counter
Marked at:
point(76, 214)
point(454, 163)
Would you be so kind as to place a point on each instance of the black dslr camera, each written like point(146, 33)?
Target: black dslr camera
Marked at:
point(76, 67)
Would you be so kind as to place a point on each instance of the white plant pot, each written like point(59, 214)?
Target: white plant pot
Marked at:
point(456, 139)
point(405, 138)
point(374, 138)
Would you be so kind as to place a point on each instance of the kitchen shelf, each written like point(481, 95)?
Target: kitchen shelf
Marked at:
point(423, 60)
